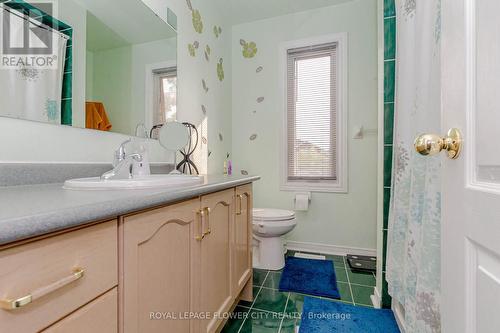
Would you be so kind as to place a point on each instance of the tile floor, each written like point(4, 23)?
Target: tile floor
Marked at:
point(273, 311)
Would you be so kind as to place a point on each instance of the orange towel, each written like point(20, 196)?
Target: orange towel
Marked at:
point(96, 117)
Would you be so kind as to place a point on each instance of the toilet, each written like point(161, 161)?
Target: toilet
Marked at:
point(269, 225)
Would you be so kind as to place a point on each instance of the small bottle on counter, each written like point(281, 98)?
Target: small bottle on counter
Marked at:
point(227, 166)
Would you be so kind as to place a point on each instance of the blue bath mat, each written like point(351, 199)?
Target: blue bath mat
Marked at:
point(309, 276)
point(323, 316)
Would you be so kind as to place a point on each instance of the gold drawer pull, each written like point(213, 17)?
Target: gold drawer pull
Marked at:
point(240, 200)
point(12, 304)
point(209, 230)
point(200, 237)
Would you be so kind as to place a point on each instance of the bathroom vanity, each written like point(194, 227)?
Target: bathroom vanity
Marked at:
point(142, 261)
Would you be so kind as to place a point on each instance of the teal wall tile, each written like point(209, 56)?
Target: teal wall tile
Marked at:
point(390, 33)
point(387, 202)
point(68, 66)
point(23, 7)
point(389, 80)
point(384, 253)
point(66, 112)
point(387, 165)
point(390, 38)
point(388, 123)
point(54, 23)
point(389, 8)
point(67, 86)
point(386, 298)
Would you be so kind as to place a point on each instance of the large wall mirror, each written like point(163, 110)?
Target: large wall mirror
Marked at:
point(103, 65)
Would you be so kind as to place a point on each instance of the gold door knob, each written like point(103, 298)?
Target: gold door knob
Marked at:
point(431, 144)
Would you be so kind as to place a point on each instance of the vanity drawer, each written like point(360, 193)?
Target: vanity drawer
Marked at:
point(48, 271)
point(99, 316)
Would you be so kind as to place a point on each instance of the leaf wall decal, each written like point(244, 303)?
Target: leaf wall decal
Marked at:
point(249, 49)
point(220, 70)
point(197, 21)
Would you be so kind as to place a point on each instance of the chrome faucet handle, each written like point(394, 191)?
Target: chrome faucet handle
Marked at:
point(138, 157)
point(123, 169)
point(120, 153)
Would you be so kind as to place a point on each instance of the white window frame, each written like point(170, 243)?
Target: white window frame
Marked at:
point(149, 90)
point(340, 185)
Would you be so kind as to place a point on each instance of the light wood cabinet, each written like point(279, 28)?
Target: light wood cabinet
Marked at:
point(157, 277)
point(45, 272)
point(177, 268)
point(242, 239)
point(99, 316)
point(215, 258)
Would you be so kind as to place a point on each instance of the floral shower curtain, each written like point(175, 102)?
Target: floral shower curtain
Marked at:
point(413, 259)
point(29, 91)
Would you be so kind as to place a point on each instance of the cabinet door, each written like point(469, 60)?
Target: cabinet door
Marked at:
point(215, 258)
point(99, 316)
point(242, 239)
point(156, 269)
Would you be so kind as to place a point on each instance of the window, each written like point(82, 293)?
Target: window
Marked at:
point(165, 95)
point(314, 157)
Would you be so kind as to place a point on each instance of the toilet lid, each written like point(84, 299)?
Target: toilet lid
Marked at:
point(271, 214)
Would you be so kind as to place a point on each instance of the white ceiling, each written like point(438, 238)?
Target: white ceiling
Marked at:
point(132, 20)
point(242, 11)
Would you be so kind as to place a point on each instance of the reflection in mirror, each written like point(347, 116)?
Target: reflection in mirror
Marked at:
point(33, 66)
point(116, 65)
point(130, 73)
point(174, 136)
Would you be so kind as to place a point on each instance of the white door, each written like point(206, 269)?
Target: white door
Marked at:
point(471, 183)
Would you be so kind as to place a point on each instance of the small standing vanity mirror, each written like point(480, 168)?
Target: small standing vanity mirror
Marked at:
point(174, 136)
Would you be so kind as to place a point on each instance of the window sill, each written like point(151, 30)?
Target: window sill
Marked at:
point(313, 187)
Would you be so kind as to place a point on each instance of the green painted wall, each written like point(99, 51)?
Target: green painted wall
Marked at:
point(347, 220)
point(112, 85)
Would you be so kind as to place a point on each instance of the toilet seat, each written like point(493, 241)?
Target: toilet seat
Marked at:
point(269, 225)
point(272, 215)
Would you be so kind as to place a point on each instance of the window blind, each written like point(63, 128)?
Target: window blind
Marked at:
point(165, 95)
point(312, 113)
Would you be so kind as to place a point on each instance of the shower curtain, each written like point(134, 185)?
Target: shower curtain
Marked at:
point(413, 259)
point(26, 91)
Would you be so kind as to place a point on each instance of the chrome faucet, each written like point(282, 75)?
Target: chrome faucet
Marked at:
point(122, 164)
point(120, 153)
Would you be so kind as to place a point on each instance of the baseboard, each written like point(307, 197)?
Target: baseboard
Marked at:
point(328, 249)
point(376, 298)
point(399, 315)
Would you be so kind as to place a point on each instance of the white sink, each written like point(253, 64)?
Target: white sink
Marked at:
point(144, 182)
